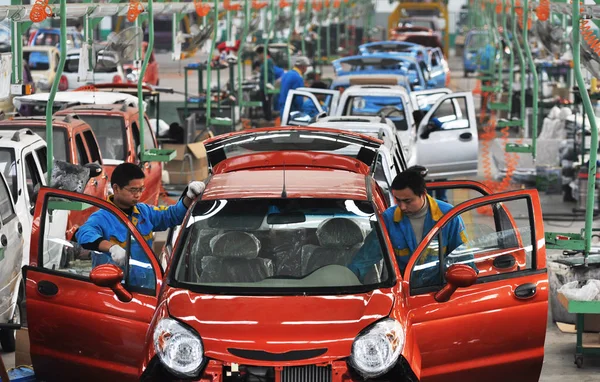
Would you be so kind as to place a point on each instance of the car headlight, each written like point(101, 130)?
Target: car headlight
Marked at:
point(376, 350)
point(178, 348)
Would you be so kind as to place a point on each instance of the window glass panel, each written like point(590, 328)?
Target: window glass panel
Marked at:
point(32, 177)
point(452, 114)
point(42, 154)
point(78, 255)
point(8, 166)
point(7, 211)
point(390, 106)
point(110, 133)
point(495, 240)
point(59, 140)
point(81, 153)
point(92, 146)
point(148, 137)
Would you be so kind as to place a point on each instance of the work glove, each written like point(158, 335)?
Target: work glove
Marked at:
point(118, 255)
point(195, 188)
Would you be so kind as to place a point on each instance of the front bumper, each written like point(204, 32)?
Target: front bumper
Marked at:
point(336, 371)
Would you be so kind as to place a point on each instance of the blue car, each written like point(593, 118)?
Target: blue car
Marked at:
point(384, 63)
point(51, 37)
point(436, 66)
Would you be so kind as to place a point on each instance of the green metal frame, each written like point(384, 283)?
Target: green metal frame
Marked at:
point(266, 43)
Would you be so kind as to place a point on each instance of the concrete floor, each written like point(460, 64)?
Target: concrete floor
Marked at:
point(559, 347)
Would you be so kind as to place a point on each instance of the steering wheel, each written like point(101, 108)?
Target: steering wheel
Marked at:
point(391, 111)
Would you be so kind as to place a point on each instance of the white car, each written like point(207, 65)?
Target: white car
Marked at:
point(438, 128)
point(390, 160)
point(23, 166)
point(39, 101)
point(106, 68)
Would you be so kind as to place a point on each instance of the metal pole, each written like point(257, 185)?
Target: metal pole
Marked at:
point(142, 73)
point(209, 66)
point(54, 89)
point(303, 41)
point(534, 127)
point(292, 31)
point(241, 49)
point(587, 105)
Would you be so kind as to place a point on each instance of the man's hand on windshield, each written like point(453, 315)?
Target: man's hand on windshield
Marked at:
point(118, 255)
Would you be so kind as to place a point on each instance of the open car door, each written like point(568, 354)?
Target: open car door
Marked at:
point(298, 108)
point(492, 327)
point(437, 71)
point(331, 98)
point(105, 328)
point(447, 138)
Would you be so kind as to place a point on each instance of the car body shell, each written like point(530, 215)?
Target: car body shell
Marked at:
point(466, 325)
point(110, 72)
point(131, 136)
point(74, 38)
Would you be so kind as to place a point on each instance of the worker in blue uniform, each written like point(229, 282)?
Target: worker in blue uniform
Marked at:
point(291, 80)
point(309, 107)
point(109, 239)
point(407, 224)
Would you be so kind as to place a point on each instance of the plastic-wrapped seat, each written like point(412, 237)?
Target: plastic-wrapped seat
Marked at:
point(235, 260)
point(339, 240)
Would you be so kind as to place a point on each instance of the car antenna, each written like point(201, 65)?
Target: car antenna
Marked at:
point(283, 191)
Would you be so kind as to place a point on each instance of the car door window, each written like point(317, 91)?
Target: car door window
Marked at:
point(494, 239)
point(450, 113)
point(92, 147)
point(381, 177)
point(32, 177)
point(303, 110)
point(81, 152)
point(7, 210)
point(56, 61)
point(136, 138)
point(8, 166)
point(42, 155)
point(76, 256)
point(148, 137)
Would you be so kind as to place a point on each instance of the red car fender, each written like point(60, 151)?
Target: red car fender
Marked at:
point(149, 352)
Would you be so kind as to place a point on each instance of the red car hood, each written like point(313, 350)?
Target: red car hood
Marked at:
point(269, 330)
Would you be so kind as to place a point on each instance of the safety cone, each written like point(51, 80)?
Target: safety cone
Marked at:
point(477, 89)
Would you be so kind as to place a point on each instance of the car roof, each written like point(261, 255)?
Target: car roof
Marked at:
point(57, 121)
point(18, 138)
point(391, 89)
point(373, 77)
point(299, 183)
point(371, 126)
point(78, 97)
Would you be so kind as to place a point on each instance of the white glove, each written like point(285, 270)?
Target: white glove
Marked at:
point(118, 255)
point(195, 188)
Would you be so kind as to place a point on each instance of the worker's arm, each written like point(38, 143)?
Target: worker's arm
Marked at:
point(163, 218)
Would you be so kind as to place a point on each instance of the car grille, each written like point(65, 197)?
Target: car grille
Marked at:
point(310, 373)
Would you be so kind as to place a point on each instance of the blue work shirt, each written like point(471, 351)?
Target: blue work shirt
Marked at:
point(279, 72)
point(290, 81)
point(405, 243)
point(308, 107)
point(103, 224)
point(270, 73)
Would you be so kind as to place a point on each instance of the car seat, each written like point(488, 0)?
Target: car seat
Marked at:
point(235, 260)
point(339, 239)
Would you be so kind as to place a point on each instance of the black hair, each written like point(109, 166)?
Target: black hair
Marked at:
point(256, 65)
point(319, 85)
point(261, 50)
point(410, 179)
point(125, 173)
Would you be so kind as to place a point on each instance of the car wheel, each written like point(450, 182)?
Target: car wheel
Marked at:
point(7, 336)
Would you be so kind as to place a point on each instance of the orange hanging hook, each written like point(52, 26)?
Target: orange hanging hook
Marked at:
point(256, 5)
point(337, 3)
point(231, 7)
point(543, 10)
point(202, 9)
point(318, 5)
point(283, 4)
point(301, 6)
point(40, 11)
point(134, 10)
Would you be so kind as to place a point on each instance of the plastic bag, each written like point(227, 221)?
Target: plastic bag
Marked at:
point(578, 291)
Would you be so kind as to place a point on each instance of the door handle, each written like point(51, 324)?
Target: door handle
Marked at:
point(19, 228)
point(465, 137)
point(47, 288)
point(525, 291)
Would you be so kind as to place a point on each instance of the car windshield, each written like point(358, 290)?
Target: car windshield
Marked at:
point(59, 140)
point(291, 245)
point(419, 23)
point(103, 64)
point(110, 134)
point(389, 106)
point(37, 60)
point(477, 41)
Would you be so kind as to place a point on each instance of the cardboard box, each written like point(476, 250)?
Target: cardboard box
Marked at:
point(22, 356)
point(561, 92)
point(189, 164)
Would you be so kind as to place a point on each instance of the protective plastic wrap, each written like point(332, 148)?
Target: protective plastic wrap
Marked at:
point(339, 233)
point(70, 177)
point(581, 291)
point(287, 248)
point(235, 270)
point(235, 244)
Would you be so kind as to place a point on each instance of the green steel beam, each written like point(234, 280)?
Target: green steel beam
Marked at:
point(534, 127)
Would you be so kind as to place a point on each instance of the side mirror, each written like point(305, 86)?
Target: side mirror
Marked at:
point(95, 169)
point(457, 276)
point(322, 114)
point(110, 276)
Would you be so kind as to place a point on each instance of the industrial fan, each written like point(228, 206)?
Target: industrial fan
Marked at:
point(590, 59)
point(551, 36)
point(195, 40)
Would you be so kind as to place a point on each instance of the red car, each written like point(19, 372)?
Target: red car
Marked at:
point(259, 283)
point(151, 75)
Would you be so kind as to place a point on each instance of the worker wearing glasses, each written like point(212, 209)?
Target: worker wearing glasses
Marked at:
point(109, 240)
point(407, 223)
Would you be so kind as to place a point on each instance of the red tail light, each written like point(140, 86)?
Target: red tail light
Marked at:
point(63, 84)
point(117, 79)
